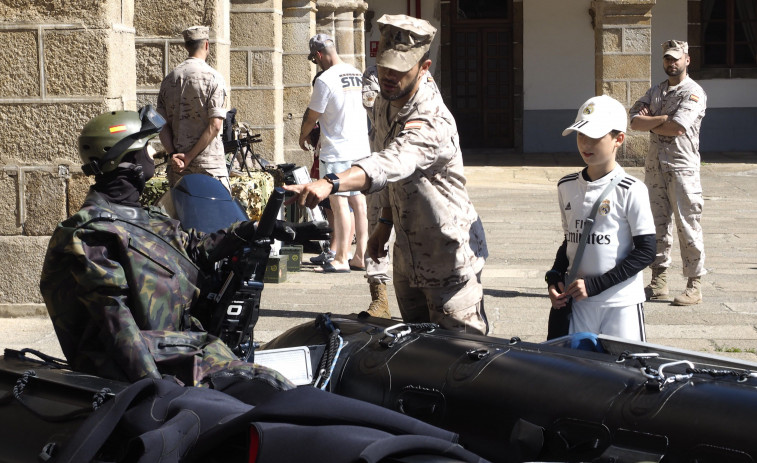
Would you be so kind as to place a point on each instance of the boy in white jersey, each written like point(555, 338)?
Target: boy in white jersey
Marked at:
point(607, 293)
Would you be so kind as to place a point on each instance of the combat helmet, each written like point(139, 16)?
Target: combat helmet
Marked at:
point(107, 138)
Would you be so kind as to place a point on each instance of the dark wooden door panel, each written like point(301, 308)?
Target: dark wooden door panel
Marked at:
point(482, 82)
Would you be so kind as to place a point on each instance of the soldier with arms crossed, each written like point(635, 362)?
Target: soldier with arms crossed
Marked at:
point(672, 112)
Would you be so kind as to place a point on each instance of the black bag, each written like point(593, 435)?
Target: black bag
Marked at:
point(559, 321)
point(160, 421)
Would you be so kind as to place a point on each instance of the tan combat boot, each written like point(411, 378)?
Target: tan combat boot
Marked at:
point(380, 302)
point(692, 294)
point(658, 287)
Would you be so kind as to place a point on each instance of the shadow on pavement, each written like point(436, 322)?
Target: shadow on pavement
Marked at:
point(511, 294)
point(512, 158)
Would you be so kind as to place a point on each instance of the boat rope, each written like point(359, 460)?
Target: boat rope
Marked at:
point(742, 375)
point(18, 393)
point(333, 349)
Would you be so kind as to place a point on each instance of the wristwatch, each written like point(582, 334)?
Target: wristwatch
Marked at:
point(334, 181)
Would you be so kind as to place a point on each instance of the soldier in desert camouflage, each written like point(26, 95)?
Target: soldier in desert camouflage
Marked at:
point(440, 245)
point(672, 112)
point(192, 100)
point(121, 282)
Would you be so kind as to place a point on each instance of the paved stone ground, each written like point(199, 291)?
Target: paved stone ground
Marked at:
point(516, 197)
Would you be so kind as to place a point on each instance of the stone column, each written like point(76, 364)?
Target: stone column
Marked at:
point(623, 33)
point(359, 36)
point(67, 64)
point(345, 35)
point(256, 72)
point(298, 27)
point(325, 17)
point(343, 20)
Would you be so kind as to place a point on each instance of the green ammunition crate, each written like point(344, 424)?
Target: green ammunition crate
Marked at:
point(276, 269)
point(293, 253)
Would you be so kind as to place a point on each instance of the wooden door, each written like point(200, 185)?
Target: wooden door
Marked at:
point(482, 73)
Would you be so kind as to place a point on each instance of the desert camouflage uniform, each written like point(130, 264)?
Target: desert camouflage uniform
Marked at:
point(375, 271)
point(189, 97)
point(378, 271)
point(671, 173)
point(121, 283)
point(440, 246)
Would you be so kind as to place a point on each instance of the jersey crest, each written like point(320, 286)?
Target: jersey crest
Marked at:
point(604, 208)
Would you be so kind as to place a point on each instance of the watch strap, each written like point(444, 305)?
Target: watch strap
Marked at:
point(334, 181)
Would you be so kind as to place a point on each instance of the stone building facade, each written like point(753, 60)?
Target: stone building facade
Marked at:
point(70, 61)
point(73, 60)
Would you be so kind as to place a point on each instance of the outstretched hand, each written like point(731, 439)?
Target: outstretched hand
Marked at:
point(309, 194)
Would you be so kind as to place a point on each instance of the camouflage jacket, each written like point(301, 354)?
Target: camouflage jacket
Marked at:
point(190, 95)
point(439, 237)
point(120, 284)
point(685, 104)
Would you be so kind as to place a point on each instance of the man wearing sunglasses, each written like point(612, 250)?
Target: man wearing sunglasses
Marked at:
point(337, 105)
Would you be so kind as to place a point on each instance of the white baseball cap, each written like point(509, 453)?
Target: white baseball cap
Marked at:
point(599, 116)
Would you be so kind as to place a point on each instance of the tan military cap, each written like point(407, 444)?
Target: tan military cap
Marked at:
point(675, 48)
point(404, 40)
point(196, 33)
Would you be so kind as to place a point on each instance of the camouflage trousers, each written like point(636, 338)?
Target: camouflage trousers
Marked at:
point(676, 197)
point(377, 271)
point(458, 308)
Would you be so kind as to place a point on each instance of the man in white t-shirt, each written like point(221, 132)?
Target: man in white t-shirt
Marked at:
point(337, 105)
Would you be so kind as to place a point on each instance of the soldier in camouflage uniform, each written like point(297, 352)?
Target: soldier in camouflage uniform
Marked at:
point(192, 99)
point(440, 245)
point(377, 271)
point(121, 282)
point(672, 112)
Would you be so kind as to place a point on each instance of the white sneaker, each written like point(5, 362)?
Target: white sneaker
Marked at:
point(323, 258)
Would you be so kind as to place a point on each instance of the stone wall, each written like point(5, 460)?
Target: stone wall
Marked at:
point(67, 65)
point(159, 45)
point(298, 73)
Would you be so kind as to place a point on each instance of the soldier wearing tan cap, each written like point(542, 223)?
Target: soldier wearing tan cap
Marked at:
point(417, 167)
point(672, 112)
point(192, 99)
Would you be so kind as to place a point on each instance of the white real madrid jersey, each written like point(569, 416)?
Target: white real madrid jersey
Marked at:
point(623, 214)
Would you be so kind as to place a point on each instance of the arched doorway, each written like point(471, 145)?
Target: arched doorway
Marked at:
point(481, 72)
